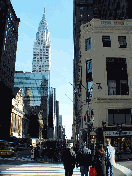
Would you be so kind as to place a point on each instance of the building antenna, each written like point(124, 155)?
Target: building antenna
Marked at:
point(44, 10)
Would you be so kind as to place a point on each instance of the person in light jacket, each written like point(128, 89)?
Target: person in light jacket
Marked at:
point(110, 154)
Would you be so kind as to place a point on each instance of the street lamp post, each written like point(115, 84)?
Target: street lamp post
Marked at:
point(88, 117)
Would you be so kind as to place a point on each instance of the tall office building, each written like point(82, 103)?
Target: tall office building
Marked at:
point(8, 45)
point(84, 11)
point(60, 120)
point(50, 132)
point(42, 48)
point(35, 88)
point(57, 120)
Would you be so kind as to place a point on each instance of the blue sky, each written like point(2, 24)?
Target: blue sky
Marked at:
point(59, 15)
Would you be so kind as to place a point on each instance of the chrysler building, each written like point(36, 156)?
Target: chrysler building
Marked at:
point(42, 49)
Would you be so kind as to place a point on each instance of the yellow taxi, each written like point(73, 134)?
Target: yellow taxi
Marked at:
point(7, 152)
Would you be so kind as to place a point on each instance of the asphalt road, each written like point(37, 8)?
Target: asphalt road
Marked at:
point(6, 164)
point(24, 157)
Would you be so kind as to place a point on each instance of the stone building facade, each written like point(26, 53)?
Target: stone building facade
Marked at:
point(105, 73)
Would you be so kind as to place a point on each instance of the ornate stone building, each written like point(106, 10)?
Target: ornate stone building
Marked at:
point(19, 121)
point(106, 75)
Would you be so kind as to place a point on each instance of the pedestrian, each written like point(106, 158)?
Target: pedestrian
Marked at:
point(124, 148)
point(87, 161)
point(35, 153)
point(68, 161)
point(46, 154)
point(38, 149)
point(99, 161)
point(84, 159)
point(110, 155)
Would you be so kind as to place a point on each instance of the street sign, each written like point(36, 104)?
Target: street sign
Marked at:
point(116, 133)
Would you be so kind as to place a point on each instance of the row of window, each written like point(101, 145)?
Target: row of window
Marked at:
point(37, 61)
point(40, 70)
point(106, 40)
point(40, 66)
point(116, 75)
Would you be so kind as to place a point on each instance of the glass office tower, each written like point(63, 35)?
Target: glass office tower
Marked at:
point(35, 88)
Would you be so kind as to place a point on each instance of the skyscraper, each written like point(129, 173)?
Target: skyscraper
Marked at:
point(9, 24)
point(35, 88)
point(42, 48)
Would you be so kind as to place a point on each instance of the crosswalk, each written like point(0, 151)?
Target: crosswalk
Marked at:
point(38, 169)
point(18, 159)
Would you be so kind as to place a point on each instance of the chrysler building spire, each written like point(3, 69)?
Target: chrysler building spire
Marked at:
point(42, 48)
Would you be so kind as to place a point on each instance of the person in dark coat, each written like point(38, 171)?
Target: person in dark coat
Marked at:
point(124, 148)
point(100, 162)
point(68, 161)
point(85, 160)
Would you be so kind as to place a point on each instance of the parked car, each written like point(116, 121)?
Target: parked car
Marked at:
point(6, 152)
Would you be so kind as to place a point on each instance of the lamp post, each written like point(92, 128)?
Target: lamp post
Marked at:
point(88, 117)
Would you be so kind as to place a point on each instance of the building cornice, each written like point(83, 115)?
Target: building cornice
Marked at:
point(108, 25)
point(110, 100)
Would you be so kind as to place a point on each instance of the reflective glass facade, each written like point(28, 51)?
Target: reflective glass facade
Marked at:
point(35, 86)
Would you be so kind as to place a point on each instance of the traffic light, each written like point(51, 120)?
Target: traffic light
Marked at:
point(104, 125)
point(93, 137)
point(85, 117)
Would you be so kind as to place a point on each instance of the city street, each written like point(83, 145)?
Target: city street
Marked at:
point(26, 166)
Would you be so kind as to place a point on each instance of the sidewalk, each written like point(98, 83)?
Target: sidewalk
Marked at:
point(124, 157)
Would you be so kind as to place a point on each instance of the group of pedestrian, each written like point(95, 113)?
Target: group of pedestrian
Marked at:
point(101, 164)
point(104, 159)
point(81, 158)
point(48, 154)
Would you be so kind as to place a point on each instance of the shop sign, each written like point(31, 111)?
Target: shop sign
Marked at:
point(116, 133)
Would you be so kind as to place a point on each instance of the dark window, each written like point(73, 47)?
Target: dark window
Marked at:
point(119, 116)
point(122, 41)
point(89, 71)
point(123, 87)
point(89, 76)
point(87, 44)
point(117, 77)
point(106, 41)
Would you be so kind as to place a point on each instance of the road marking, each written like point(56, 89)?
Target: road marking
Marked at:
point(38, 169)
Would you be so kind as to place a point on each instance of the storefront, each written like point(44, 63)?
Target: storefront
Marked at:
point(122, 142)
